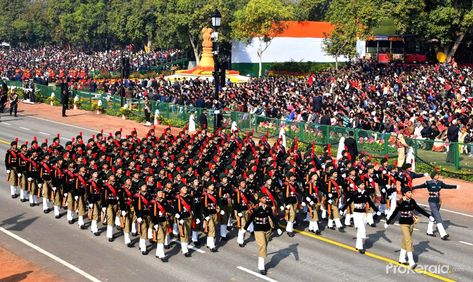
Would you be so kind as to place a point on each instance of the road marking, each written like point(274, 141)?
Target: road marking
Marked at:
point(189, 246)
point(65, 124)
point(4, 142)
point(5, 123)
point(24, 128)
point(455, 212)
point(372, 255)
point(256, 274)
point(466, 243)
point(48, 254)
point(44, 133)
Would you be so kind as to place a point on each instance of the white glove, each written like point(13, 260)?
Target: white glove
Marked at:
point(378, 213)
point(30, 179)
point(426, 174)
point(139, 220)
point(303, 204)
point(91, 206)
point(240, 214)
point(76, 198)
point(351, 185)
point(311, 203)
point(323, 166)
point(387, 186)
point(40, 185)
point(282, 208)
point(431, 218)
point(104, 209)
point(19, 174)
point(8, 171)
point(308, 199)
point(344, 175)
point(123, 213)
point(207, 218)
point(54, 189)
point(65, 194)
point(384, 172)
point(330, 201)
point(177, 216)
point(279, 231)
point(329, 195)
point(383, 190)
point(386, 226)
point(160, 213)
point(222, 212)
point(458, 186)
point(181, 222)
point(156, 227)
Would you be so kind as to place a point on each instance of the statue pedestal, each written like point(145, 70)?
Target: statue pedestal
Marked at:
point(207, 60)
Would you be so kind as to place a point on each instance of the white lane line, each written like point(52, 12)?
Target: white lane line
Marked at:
point(44, 133)
point(66, 138)
point(256, 274)
point(24, 128)
point(455, 212)
point(466, 243)
point(189, 246)
point(6, 123)
point(65, 124)
point(48, 254)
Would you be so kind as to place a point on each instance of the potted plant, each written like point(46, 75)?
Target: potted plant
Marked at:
point(51, 99)
point(125, 111)
point(76, 102)
point(99, 107)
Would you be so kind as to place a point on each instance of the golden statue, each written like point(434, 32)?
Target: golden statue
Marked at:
point(207, 60)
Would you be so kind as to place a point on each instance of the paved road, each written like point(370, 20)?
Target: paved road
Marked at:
point(305, 257)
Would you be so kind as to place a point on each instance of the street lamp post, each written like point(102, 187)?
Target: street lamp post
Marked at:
point(216, 21)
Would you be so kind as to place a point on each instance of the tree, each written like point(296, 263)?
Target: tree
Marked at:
point(444, 23)
point(311, 10)
point(353, 20)
point(263, 20)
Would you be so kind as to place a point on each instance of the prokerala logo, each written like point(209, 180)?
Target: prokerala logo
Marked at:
point(432, 268)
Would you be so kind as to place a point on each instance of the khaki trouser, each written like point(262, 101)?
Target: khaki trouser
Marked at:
point(406, 230)
point(129, 218)
point(144, 225)
point(211, 223)
point(314, 212)
point(291, 212)
point(224, 218)
point(111, 214)
point(12, 178)
point(161, 232)
point(96, 211)
point(33, 187)
point(81, 206)
point(333, 207)
point(185, 229)
point(57, 196)
point(23, 183)
point(47, 189)
point(241, 221)
point(262, 238)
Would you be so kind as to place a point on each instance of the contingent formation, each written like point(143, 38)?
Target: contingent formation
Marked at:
point(180, 188)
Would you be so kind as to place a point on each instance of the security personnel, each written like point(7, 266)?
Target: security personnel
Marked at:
point(211, 210)
point(142, 202)
point(183, 215)
point(161, 211)
point(360, 199)
point(406, 207)
point(11, 165)
point(434, 186)
point(263, 220)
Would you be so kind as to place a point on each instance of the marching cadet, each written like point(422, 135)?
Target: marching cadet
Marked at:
point(434, 186)
point(290, 203)
point(407, 175)
point(333, 197)
point(127, 210)
point(22, 171)
point(211, 210)
point(406, 207)
point(45, 175)
point(225, 192)
point(350, 188)
point(110, 204)
point(160, 213)
point(57, 183)
point(69, 186)
point(94, 201)
point(263, 220)
point(12, 167)
point(80, 196)
point(142, 201)
point(370, 189)
point(32, 174)
point(312, 200)
point(196, 190)
point(360, 199)
point(184, 216)
point(243, 206)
